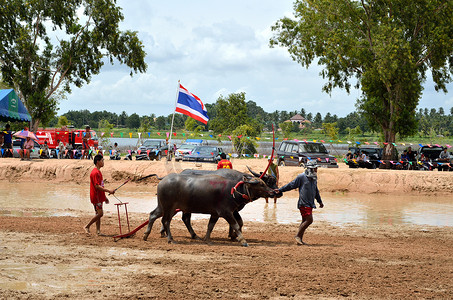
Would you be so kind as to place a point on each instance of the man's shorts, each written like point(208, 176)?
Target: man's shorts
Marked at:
point(97, 206)
point(306, 211)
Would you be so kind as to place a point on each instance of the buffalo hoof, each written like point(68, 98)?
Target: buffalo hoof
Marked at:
point(145, 236)
point(163, 234)
point(196, 237)
point(233, 238)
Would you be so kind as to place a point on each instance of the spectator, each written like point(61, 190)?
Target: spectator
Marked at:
point(351, 159)
point(86, 136)
point(349, 156)
point(45, 150)
point(404, 156)
point(28, 147)
point(116, 155)
point(61, 149)
point(411, 155)
point(224, 163)
point(7, 142)
point(404, 160)
point(1, 139)
point(425, 163)
point(444, 160)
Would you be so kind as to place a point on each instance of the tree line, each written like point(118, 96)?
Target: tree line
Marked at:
point(231, 112)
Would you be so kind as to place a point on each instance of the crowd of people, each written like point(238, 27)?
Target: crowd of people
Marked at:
point(409, 160)
point(27, 146)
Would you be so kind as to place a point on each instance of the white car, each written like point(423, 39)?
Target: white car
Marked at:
point(184, 150)
point(33, 154)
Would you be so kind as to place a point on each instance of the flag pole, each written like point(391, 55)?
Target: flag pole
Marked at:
point(172, 120)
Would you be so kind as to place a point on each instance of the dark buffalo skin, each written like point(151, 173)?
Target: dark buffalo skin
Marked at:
point(206, 194)
point(233, 175)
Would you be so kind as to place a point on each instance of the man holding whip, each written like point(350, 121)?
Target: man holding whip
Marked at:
point(97, 193)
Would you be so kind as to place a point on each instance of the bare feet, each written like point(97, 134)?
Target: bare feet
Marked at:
point(87, 229)
point(299, 241)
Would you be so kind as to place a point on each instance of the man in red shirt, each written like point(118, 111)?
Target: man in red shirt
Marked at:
point(97, 193)
point(224, 163)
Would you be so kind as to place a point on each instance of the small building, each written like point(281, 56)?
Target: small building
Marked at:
point(299, 120)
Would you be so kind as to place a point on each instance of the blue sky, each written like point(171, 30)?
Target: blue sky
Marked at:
point(215, 48)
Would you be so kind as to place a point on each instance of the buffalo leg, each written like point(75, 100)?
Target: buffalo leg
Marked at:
point(189, 227)
point(234, 224)
point(166, 219)
point(156, 213)
point(186, 220)
point(212, 221)
point(231, 234)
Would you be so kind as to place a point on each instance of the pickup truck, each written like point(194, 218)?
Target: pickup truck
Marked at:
point(152, 150)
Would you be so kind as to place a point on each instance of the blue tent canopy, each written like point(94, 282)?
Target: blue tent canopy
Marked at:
point(11, 108)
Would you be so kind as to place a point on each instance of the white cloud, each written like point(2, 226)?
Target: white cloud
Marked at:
point(214, 48)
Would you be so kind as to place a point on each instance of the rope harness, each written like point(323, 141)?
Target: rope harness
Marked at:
point(245, 195)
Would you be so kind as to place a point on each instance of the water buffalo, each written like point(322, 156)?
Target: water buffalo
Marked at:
point(206, 194)
point(270, 181)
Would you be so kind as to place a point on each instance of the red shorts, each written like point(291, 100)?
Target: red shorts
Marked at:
point(97, 206)
point(306, 211)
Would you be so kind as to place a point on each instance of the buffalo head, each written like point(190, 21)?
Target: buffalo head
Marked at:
point(256, 187)
point(269, 180)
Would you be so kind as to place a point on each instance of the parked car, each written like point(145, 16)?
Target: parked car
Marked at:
point(297, 153)
point(187, 148)
point(430, 152)
point(204, 154)
point(374, 154)
point(33, 154)
point(152, 149)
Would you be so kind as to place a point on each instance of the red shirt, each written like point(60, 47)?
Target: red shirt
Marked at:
point(96, 196)
point(224, 164)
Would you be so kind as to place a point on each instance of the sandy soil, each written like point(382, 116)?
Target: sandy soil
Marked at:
point(51, 257)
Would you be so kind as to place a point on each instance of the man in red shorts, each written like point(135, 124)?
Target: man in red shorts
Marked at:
point(97, 193)
point(308, 191)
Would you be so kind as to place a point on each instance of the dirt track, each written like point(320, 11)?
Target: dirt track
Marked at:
point(50, 258)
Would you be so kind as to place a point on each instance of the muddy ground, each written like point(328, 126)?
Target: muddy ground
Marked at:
point(52, 258)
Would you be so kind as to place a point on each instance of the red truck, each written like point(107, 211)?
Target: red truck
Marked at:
point(71, 137)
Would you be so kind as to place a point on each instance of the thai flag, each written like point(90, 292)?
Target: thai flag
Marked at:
point(190, 105)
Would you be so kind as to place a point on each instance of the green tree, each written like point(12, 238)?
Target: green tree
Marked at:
point(303, 113)
point(330, 130)
point(317, 121)
point(161, 122)
point(133, 121)
point(190, 124)
point(354, 132)
point(49, 46)
point(231, 113)
point(286, 128)
point(62, 121)
point(105, 128)
point(145, 124)
point(242, 142)
point(388, 46)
